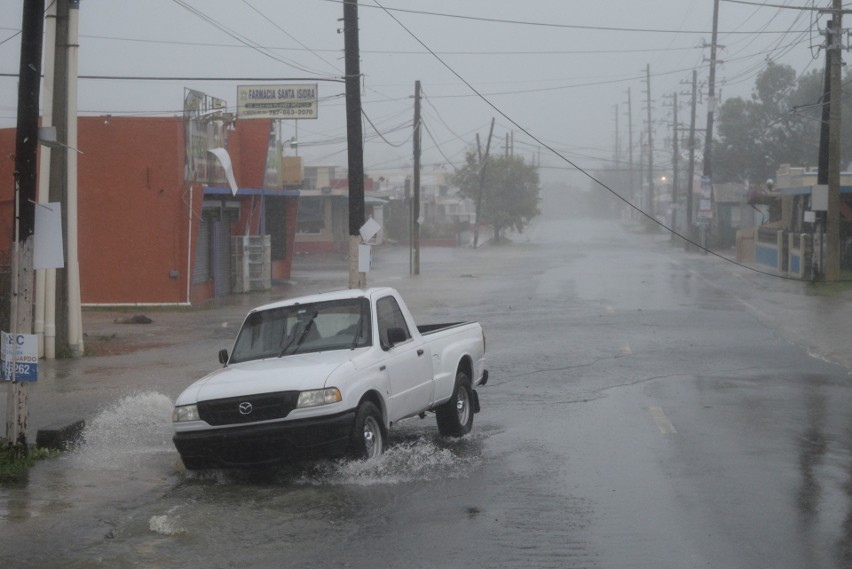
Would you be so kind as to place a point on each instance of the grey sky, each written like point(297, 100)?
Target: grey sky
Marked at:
point(557, 68)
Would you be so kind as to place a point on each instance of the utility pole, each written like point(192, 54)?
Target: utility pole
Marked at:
point(56, 280)
point(691, 173)
point(615, 154)
point(675, 159)
point(711, 109)
point(415, 203)
point(632, 181)
point(26, 168)
point(483, 163)
point(650, 192)
point(355, 139)
point(832, 230)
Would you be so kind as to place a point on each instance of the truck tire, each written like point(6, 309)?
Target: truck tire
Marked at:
point(455, 417)
point(368, 436)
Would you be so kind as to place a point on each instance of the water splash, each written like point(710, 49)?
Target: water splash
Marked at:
point(127, 431)
point(421, 459)
point(168, 524)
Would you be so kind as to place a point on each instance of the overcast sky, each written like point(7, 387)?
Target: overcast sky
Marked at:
point(559, 69)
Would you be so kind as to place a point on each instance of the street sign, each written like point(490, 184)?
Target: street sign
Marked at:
point(22, 351)
point(277, 101)
point(705, 207)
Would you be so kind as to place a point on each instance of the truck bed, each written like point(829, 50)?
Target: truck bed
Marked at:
point(426, 329)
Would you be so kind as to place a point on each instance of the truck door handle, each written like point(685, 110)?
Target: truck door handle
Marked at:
point(420, 352)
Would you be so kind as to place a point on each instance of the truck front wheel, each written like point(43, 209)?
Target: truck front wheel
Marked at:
point(455, 417)
point(368, 436)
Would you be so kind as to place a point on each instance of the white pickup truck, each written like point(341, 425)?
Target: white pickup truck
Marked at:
point(328, 375)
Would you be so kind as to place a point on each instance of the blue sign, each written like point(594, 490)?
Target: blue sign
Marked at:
point(19, 357)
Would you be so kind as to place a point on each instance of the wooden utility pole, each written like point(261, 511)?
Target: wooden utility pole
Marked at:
point(691, 170)
point(649, 207)
point(355, 139)
point(415, 202)
point(711, 109)
point(832, 229)
point(26, 184)
point(675, 170)
point(630, 143)
point(482, 167)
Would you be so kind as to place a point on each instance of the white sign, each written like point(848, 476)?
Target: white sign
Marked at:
point(819, 197)
point(277, 101)
point(23, 350)
point(365, 258)
point(705, 207)
point(369, 230)
point(47, 241)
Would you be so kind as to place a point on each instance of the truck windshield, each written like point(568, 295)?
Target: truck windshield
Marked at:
point(315, 327)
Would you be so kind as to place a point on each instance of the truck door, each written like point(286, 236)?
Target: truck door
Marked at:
point(409, 363)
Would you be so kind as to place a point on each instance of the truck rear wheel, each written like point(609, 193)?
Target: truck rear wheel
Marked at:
point(368, 435)
point(455, 417)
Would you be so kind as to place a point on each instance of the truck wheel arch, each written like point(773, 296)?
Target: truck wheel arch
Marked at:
point(376, 399)
point(466, 366)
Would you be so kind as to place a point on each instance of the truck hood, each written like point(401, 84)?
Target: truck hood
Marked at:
point(298, 372)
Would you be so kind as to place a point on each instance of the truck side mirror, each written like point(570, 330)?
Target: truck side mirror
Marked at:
point(223, 357)
point(395, 336)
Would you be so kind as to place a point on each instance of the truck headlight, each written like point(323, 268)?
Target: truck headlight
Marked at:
point(319, 397)
point(183, 413)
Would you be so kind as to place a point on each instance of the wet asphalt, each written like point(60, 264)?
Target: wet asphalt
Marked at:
point(648, 407)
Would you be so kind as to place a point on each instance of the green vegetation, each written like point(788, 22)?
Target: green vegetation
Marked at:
point(778, 124)
point(15, 461)
point(510, 195)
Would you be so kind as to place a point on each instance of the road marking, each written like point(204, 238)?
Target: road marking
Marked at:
point(662, 421)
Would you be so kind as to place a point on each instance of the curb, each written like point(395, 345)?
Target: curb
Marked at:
point(60, 435)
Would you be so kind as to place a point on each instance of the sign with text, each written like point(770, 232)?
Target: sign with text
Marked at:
point(277, 101)
point(19, 355)
point(705, 207)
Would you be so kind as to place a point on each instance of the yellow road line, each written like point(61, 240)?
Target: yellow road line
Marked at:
point(662, 421)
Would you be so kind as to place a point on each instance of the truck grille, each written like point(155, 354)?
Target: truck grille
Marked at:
point(248, 409)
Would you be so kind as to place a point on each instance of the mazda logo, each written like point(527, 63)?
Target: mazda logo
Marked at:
point(245, 408)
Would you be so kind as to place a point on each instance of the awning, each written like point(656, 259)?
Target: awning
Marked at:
point(269, 192)
point(806, 190)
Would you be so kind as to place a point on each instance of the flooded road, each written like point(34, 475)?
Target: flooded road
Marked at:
point(646, 408)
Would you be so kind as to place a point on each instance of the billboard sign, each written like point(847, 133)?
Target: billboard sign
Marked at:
point(297, 101)
point(206, 120)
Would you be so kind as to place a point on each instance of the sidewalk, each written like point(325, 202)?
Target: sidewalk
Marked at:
point(817, 316)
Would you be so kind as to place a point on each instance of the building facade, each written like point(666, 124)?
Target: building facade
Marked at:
point(151, 230)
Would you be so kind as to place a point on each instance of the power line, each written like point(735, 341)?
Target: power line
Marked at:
point(545, 24)
point(586, 173)
point(239, 37)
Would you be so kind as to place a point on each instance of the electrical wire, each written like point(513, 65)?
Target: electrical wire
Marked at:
point(388, 142)
point(285, 32)
point(241, 38)
point(573, 164)
point(546, 24)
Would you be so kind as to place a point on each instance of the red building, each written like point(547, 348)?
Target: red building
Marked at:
point(147, 235)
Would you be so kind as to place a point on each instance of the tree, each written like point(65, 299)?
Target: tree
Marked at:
point(779, 124)
point(510, 192)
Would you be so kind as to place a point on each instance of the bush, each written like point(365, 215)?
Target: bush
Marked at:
point(15, 461)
